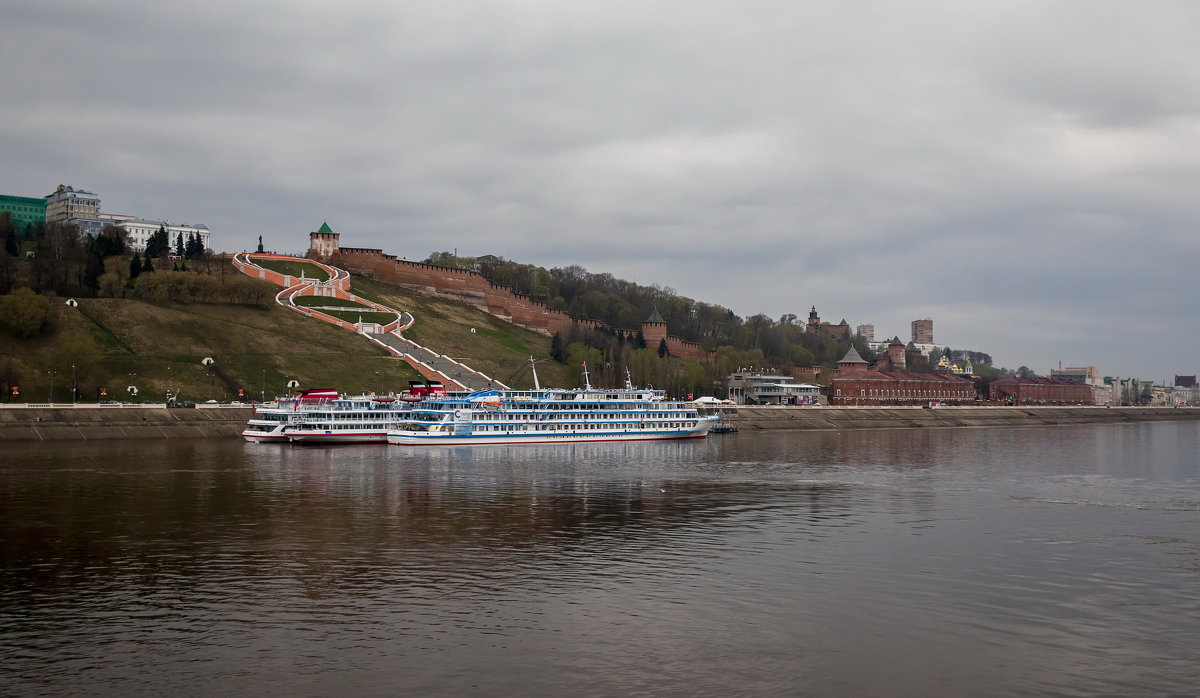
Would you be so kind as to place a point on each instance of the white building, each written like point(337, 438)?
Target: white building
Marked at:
point(747, 388)
point(140, 231)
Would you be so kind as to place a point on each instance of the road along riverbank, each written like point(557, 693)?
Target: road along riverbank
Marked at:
point(98, 422)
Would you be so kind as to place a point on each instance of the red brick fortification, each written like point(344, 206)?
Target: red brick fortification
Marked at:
point(500, 301)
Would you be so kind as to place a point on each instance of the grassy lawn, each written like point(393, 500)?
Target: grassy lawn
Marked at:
point(309, 270)
point(322, 301)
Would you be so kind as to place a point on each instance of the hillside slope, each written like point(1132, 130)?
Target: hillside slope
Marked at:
point(115, 343)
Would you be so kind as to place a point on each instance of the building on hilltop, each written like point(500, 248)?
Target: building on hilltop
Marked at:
point(922, 331)
point(23, 211)
point(867, 332)
point(65, 203)
point(814, 322)
point(140, 230)
point(324, 243)
point(839, 331)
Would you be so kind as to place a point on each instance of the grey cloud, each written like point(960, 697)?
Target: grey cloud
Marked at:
point(996, 167)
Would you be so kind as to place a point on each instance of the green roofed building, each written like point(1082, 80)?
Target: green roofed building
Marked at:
point(24, 210)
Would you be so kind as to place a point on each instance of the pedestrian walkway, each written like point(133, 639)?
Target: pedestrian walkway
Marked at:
point(431, 365)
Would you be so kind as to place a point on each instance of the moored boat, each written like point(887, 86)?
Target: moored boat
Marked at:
point(324, 416)
point(550, 416)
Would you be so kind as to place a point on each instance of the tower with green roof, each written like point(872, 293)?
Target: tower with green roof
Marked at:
point(324, 243)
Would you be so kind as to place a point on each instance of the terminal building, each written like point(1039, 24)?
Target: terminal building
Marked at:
point(751, 388)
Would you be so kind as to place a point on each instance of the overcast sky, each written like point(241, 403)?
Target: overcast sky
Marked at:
point(1027, 174)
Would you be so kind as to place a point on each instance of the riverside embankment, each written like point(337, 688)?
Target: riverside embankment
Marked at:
point(749, 418)
point(97, 422)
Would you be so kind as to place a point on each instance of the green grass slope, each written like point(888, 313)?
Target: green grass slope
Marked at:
point(115, 343)
point(497, 348)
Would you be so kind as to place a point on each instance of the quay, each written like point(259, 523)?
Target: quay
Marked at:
point(59, 422)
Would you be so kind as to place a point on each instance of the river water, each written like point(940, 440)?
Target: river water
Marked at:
point(996, 561)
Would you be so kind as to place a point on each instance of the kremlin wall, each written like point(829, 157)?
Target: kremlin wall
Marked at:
point(471, 287)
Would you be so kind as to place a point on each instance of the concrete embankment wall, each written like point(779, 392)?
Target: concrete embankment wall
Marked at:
point(750, 418)
point(157, 422)
point(131, 422)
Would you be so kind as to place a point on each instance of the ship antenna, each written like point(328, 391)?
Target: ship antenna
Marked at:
point(628, 379)
point(533, 367)
point(587, 383)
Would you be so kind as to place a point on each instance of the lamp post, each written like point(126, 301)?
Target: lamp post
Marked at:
point(263, 394)
point(74, 385)
point(50, 396)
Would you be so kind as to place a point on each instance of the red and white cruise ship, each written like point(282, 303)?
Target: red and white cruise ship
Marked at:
point(323, 416)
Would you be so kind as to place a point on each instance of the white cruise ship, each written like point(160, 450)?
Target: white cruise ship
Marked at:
point(550, 416)
point(324, 416)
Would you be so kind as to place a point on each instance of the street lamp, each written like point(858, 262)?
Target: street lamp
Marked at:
point(74, 384)
point(263, 395)
point(50, 397)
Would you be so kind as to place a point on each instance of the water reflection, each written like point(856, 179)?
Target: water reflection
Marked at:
point(897, 562)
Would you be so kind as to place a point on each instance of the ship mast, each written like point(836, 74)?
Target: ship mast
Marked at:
point(587, 383)
point(533, 367)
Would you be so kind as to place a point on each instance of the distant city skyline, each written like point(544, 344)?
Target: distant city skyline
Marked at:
point(1023, 173)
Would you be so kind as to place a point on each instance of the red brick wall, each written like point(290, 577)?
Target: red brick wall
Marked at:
point(499, 300)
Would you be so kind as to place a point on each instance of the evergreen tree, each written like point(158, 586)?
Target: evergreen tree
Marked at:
point(147, 263)
point(662, 348)
point(179, 245)
point(639, 342)
point(556, 348)
point(135, 266)
point(158, 244)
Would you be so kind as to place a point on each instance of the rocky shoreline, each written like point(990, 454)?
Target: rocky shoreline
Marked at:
point(93, 422)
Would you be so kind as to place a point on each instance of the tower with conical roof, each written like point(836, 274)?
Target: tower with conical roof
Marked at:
point(654, 329)
point(324, 243)
point(852, 363)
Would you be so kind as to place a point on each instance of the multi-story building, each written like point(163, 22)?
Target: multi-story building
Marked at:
point(66, 203)
point(750, 388)
point(140, 231)
point(23, 210)
point(867, 332)
point(922, 331)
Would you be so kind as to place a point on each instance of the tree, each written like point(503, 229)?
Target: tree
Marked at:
point(1025, 372)
point(179, 245)
point(135, 266)
point(8, 232)
point(158, 244)
point(663, 352)
point(25, 314)
point(556, 348)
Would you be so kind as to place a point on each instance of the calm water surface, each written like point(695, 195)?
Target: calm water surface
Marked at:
point(1030, 561)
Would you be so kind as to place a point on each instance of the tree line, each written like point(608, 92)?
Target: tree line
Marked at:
point(58, 259)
